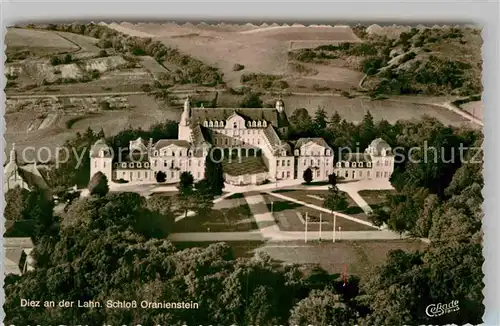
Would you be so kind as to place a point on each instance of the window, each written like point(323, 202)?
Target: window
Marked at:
point(216, 124)
point(124, 165)
point(199, 163)
point(205, 123)
point(259, 124)
point(378, 175)
point(353, 164)
point(226, 141)
point(139, 164)
point(221, 124)
point(318, 162)
point(95, 163)
point(258, 141)
point(172, 174)
point(277, 162)
point(346, 174)
point(146, 175)
point(131, 165)
point(249, 124)
point(156, 153)
point(123, 173)
point(211, 124)
point(312, 162)
point(288, 174)
point(385, 174)
point(146, 165)
point(338, 164)
point(198, 175)
point(327, 162)
point(253, 125)
point(154, 163)
point(282, 174)
point(235, 125)
point(138, 174)
point(386, 162)
point(189, 163)
point(327, 152)
point(287, 162)
point(216, 141)
point(305, 162)
point(368, 174)
point(317, 173)
point(369, 164)
point(173, 153)
point(264, 123)
point(165, 163)
point(360, 174)
point(360, 164)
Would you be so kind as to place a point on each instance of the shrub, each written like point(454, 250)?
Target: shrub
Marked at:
point(103, 53)
point(55, 61)
point(238, 67)
point(98, 185)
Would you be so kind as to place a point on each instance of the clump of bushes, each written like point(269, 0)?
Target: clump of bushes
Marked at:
point(264, 81)
point(57, 60)
point(238, 67)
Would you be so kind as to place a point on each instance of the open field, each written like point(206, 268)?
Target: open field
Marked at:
point(233, 219)
point(40, 43)
point(358, 256)
point(23, 127)
point(475, 108)
point(259, 49)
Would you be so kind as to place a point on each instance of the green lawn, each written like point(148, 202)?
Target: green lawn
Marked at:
point(234, 219)
point(375, 198)
point(305, 196)
point(285, 214)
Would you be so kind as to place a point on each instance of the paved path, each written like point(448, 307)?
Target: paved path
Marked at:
point(465, 114)
point(264, 218)
point(215, 236)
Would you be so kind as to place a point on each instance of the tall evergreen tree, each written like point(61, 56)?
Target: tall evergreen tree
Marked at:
point(214, 173)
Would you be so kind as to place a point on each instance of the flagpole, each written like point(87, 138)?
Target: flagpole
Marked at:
point(320, 223)
point(334, 225)
point(305, 234)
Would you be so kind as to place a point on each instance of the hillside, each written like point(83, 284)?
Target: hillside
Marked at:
point(431, 61)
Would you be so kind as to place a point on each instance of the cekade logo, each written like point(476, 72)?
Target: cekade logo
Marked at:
point(436, 310)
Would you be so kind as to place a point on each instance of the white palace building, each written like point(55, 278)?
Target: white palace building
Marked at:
point(253, 151)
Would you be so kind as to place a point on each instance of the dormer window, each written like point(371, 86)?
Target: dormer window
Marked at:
point(264, 124)
point(360, 164)
point(327, 152)
point(139, 164)
point(101, 153)
point(369, 164)
point(353, 164)
point(211, 124)
point(384, 153)
point(146, 165)
point(249, 124)
point(131, 165)
point(338, 164)
point(259, 124)
point(124, 165)
point(296, 152)
point(205, 123)
point(156, 153)
point(190, 153)
point(221, 124)
point(254, 124)
point(216, 124)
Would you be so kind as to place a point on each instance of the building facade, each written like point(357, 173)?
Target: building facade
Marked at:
point(250, 144)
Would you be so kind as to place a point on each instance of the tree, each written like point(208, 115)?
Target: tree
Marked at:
point(308, 175)
point(98, 185)
point(203, 198)
point(186, 183)
point(251, 100)
point(322, 307)
point(161, 177)
point(15, 208)
point(336, 200)
point(320, 118)
point(214, 173)
point(332, 179)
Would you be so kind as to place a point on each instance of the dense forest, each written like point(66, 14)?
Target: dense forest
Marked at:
point(113, 246)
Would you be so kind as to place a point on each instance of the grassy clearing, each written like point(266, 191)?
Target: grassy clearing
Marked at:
point(375, 198)
point(34, 42)
point(305, 196)
point(234, 219)
point(285, 214)
point(358, 257)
